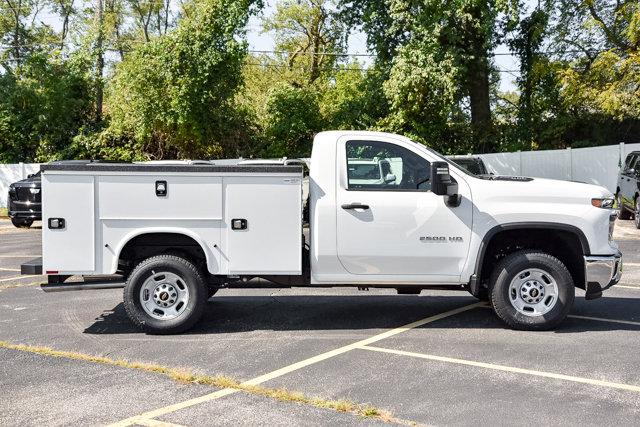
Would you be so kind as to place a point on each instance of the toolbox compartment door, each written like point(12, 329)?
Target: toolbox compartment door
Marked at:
point(70, 248)
point(267, 238)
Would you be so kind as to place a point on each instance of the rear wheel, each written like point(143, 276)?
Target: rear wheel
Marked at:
point(636, 216)
point(531, 290)
point(21, 223)
point(623, 213)
point(165, 294)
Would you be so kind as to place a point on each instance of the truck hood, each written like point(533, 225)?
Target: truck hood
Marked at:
point(525, 187)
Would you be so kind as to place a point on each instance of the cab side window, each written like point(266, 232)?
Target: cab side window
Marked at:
point(381, 166)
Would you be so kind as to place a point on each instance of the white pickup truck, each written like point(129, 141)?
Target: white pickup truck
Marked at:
point(176, 233)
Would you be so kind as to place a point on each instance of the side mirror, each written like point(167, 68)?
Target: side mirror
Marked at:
point(443, 185)
point(389, 178)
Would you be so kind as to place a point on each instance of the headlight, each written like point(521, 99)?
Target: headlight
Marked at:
point(606, 203)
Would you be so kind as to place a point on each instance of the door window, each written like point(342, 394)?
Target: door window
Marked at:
point(381, 166)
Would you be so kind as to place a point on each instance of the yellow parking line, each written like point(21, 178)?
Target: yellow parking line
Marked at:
point(293, 367)
point(18, 277)
point(626, 387)
point(9, 269)
point(627, 287)
point(602, 319)
point(20, 256)
point(156, 423)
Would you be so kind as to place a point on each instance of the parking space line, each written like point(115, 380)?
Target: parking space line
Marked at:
point(544, 374)
point(20, 256)
point(18, 277)
point(156, 423)
point(10, 269)
point(602, 319)
point(295, 366)
point(627, 287)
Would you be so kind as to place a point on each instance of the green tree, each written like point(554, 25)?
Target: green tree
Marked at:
point(175, 94)
point(293, 117)
point(441, 64)
point(310, 33)
point(43, 103)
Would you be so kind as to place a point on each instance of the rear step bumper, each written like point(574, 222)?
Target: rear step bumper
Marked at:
point(33, 267)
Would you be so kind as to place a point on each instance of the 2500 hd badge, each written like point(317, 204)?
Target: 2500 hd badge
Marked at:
point(440, 239)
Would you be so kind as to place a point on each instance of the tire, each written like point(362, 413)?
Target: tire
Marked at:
point(175, 292)
point(623, 213)
point(636, 214)
point(534, 276)
point(21, 223)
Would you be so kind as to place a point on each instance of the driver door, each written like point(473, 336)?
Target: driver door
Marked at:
point(394, 224)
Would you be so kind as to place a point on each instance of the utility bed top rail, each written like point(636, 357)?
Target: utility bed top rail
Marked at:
point(128, 167)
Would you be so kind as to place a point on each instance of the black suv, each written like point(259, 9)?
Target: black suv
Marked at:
point(25, 197)
point(25, 204)
point(629, 188)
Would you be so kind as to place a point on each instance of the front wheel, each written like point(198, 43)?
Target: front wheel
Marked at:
point(636, 216)
point(531, 290)
point(165, 294)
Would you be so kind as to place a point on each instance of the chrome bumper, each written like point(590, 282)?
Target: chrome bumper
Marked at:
point(601, 272)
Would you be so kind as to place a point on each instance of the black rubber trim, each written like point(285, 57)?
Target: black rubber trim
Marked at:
point(520, 225)
point(32, 267)
point(127, 167)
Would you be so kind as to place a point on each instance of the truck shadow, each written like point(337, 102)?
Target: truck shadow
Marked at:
point(376, 313)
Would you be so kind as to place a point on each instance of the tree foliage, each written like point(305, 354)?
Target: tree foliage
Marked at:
point(179, 81)
point(176, 92)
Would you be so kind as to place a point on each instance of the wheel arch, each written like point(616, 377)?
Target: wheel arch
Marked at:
point(572, 236)
point(134, 236)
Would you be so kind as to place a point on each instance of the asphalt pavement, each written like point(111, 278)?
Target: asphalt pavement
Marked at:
point(457, 365)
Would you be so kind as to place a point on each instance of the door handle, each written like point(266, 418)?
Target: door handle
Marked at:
point(355, 205)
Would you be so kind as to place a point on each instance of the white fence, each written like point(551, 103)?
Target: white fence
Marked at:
point(11, 173)
point(593, 165)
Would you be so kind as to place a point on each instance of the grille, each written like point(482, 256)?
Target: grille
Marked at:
point(24, 195)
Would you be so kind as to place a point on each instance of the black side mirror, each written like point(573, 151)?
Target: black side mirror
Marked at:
point(443, 185)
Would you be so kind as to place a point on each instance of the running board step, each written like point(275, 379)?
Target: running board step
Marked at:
point(82, 286)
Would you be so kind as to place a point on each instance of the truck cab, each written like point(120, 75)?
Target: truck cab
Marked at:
point(384, 212)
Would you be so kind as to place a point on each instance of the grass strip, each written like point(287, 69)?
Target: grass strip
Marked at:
point(21, 285)
point(186, 376)
point(4, 213)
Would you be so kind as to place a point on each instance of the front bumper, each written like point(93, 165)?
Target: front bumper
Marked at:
point(600, 273)
point(25, 210)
